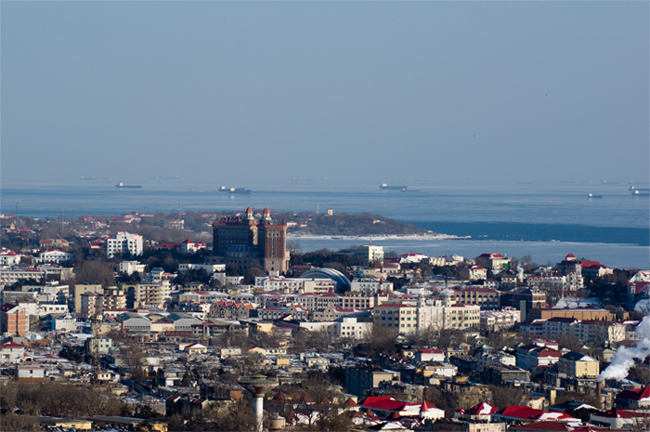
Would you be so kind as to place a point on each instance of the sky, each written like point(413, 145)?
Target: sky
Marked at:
point(358, 93)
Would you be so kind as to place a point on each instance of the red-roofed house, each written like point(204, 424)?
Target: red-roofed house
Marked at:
point(525, 414)
point(529, 356)
point(494, 261)
point(430, 354)
point(11, 352)
point(621, 419)
point(480, 412)
point(632, 399)
point(387, 407)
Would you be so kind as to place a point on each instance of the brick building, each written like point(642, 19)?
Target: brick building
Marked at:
point(241, 240)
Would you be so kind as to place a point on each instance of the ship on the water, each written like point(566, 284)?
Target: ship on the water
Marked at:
point(594, 196)
point(385, 186)
point(126, 186)
point(235, 191)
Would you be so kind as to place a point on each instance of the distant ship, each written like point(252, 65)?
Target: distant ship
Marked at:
point(641, 192)
point(235, 191)
point(385, 186)
point(411, 190)
point(594, 196)
point(126, 186)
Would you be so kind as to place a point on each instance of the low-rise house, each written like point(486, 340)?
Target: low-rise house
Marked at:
point(11, 352)
point(430, 355)
point(525, 414)
point(480, 412)
point(634, 399)
point(621, 419)
point(387, 407)
point(477, 272)
point(494, 261)
point(54, 256)
point(577, 365)
point(31, 373)
point(532, 355)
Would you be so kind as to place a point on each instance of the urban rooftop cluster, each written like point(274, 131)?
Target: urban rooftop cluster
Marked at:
point(106, 329)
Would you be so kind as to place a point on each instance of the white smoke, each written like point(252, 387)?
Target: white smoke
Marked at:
point(520, 272)
point(643, 306)
point(624, 358)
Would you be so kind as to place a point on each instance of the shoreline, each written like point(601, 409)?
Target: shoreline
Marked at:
point(372, 237)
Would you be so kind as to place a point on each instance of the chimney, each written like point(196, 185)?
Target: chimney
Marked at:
point(598, 389)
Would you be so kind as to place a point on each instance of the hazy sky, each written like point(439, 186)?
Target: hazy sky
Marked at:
point(248, 93)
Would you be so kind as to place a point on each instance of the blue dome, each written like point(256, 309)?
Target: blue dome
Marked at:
point(238, 248)
point(342, 283)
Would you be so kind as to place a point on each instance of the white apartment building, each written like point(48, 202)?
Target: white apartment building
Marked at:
point(431, 316)
point(209, 268)
point(369, 286)
point(9, 257)
point(301, 285)
point(124, 242)
point(130, 267)
point(461, 316)
point(349, 327)
point(496, 320)
point(54, 256)
point(12, 274)
point(371, 253)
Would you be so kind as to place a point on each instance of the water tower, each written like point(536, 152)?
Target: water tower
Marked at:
point(259, 385)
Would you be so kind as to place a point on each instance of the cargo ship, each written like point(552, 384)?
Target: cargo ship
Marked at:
point(385, 186)
point(126, 186)
point(235, 191)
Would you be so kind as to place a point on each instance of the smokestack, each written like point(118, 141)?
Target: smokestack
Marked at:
point(598, 388)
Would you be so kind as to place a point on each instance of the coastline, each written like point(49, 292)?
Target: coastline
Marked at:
point(380, 237)
point(613, 255)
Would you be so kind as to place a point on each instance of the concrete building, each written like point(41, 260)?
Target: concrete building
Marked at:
point(130, 267)
point(486, 298)
point(350, 328)
point(372, 253)
point(462, 316)
point(54, 256)
point(500, 319)
point(477, 272)
point(134, 322)
point(396, 317)
point(577, 365)
point(494, 261)
point(124, 242)
point(13, 320)
point(370, 286)
point(80, 289)
point(11, 352)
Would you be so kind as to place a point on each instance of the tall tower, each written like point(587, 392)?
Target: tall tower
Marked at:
point(259, 385)
point(273, 243)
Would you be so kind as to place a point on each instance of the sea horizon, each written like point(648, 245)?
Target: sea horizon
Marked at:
point(530, 214)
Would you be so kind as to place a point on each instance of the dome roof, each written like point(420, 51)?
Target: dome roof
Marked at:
point(342, 283)
point(238, 248)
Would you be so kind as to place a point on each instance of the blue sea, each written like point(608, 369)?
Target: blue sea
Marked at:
point(546, 221)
